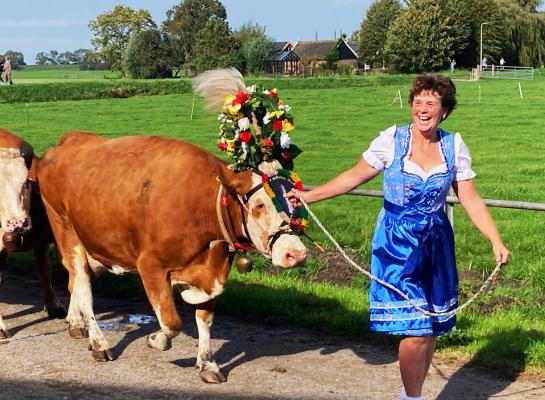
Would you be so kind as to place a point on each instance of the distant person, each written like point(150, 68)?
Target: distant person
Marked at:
point(2, 67)
point(502, 62)
point(7, 72)
point(413, 244)
point(485, 61)
point(452, 65)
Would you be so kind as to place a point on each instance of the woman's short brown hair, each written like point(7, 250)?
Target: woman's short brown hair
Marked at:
point(439, 84)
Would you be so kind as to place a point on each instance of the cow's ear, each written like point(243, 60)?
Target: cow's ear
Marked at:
point(27, 153)
point(234, 182)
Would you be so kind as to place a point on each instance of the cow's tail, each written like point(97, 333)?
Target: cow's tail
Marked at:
point(216, 84)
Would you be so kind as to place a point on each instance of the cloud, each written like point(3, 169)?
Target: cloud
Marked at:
point(51, 23)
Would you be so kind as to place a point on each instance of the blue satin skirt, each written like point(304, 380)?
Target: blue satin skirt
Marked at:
point(413, 251)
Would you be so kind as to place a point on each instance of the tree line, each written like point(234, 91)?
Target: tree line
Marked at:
point(424, 35)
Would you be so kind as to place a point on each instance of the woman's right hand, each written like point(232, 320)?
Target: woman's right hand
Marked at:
point(294, 196)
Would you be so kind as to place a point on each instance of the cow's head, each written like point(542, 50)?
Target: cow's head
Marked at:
point(267, 228)
point(15, 190)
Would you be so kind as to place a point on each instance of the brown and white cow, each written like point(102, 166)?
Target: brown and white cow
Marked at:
point(150, 204)
point(23, 222)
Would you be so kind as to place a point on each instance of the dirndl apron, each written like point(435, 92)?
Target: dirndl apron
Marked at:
point(413, 247)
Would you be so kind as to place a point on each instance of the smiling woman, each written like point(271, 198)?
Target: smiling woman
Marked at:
point(413, 245)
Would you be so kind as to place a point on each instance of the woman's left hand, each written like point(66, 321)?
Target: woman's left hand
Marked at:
point(501, 253)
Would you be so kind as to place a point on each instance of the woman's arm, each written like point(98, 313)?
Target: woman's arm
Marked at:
point(478, 213)
point(360, 173)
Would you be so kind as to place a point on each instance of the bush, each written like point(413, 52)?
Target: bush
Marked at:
point(41, 92)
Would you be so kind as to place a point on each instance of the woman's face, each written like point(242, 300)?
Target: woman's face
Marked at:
point(427, 111)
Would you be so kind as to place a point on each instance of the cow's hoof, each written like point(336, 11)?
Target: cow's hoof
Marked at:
point(159, 341)
point(78, 333)
point(57, 313)
point(212, 377)
point(103, 355)
point(4, 334)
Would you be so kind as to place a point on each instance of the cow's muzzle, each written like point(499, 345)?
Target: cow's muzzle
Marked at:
point(13, 241)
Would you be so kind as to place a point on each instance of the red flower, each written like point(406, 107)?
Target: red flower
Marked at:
point(222, 146)
point(277, 125)
point(272, 93)
point(245, 136)
point(242, 97)
point(268, 142)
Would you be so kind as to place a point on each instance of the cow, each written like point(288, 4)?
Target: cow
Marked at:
point(166, 209)
point(23, 222)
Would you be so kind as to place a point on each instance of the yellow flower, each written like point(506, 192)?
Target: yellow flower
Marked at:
point(276, 114)
point(228, 104)
point(287, 126)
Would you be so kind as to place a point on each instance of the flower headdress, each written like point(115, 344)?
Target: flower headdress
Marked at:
point(254, 127)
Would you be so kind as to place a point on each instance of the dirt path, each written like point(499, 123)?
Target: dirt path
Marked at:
point(262, 362)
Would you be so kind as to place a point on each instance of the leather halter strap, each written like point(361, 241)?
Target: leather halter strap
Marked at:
point(226, 224)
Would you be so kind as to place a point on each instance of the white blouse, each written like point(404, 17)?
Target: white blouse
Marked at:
point(381, 152)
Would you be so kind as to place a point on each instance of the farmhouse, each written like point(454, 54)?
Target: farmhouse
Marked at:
point(282, 61)
point(315, 52)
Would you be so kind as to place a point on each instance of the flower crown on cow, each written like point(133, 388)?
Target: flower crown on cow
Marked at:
point(254, 127)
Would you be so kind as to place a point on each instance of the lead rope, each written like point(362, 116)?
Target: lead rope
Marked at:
point(449, 314)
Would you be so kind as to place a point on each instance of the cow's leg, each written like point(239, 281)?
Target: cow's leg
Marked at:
point(4, 334)
point(208, 369)
point(159, 291)
point(80, 312)
point(3, 260)
point(52, 304)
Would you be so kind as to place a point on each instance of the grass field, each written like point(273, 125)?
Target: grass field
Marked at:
point(46, 73)
point(333, 126)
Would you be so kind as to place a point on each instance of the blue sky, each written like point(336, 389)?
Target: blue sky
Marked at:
point(31, 26)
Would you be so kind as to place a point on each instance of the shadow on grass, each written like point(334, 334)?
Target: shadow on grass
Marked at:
point(505, 355)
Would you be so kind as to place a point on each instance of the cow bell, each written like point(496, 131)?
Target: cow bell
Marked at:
point(243, 263)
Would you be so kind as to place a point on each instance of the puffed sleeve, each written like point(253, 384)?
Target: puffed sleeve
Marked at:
point(381, 152)
point(463, 160)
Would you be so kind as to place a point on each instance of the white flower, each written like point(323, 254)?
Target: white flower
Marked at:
point(285, 107)
point(266, 92)
point(285, 140)
point(250, 89)
point(244, 124)
point(266, 119)
point(244, 150)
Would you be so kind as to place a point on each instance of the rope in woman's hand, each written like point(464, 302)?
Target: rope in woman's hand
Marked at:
point(487, 285)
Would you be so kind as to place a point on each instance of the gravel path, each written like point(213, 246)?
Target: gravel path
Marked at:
point(41, 361)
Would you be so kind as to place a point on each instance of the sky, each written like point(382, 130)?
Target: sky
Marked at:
point(33, 26)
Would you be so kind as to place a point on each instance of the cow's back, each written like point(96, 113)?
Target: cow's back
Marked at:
point(123, 194)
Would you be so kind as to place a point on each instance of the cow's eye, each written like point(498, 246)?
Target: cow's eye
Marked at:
point(260, 206)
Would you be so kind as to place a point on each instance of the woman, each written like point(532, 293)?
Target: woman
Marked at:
point(413, 245)
point(7, 71)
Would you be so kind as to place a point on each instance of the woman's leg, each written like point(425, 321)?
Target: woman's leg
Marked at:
point(415, 354)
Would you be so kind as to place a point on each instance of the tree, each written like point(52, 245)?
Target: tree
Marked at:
point(183, 24)
point(371, 37)
point(145, 56)
point(41, 58)
point(254, 47)
point(113, 30)
point(422, 38)
point(524, 30)
point(215, 47)
point(476, 12)
point(16, 57)
point(92, 62)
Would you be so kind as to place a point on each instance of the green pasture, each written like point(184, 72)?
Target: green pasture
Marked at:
point(46, 73)
point(504, 133)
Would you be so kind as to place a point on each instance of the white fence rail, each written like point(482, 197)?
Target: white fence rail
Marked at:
point(507, 72)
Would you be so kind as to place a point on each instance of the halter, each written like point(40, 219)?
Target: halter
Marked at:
point(289, 225)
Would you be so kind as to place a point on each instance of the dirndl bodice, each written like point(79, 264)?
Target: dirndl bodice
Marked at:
point(413, 246)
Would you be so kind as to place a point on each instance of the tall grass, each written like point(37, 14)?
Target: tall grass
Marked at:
point(333, 127)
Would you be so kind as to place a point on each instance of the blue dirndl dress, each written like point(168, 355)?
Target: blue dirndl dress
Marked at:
point(413, 247)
